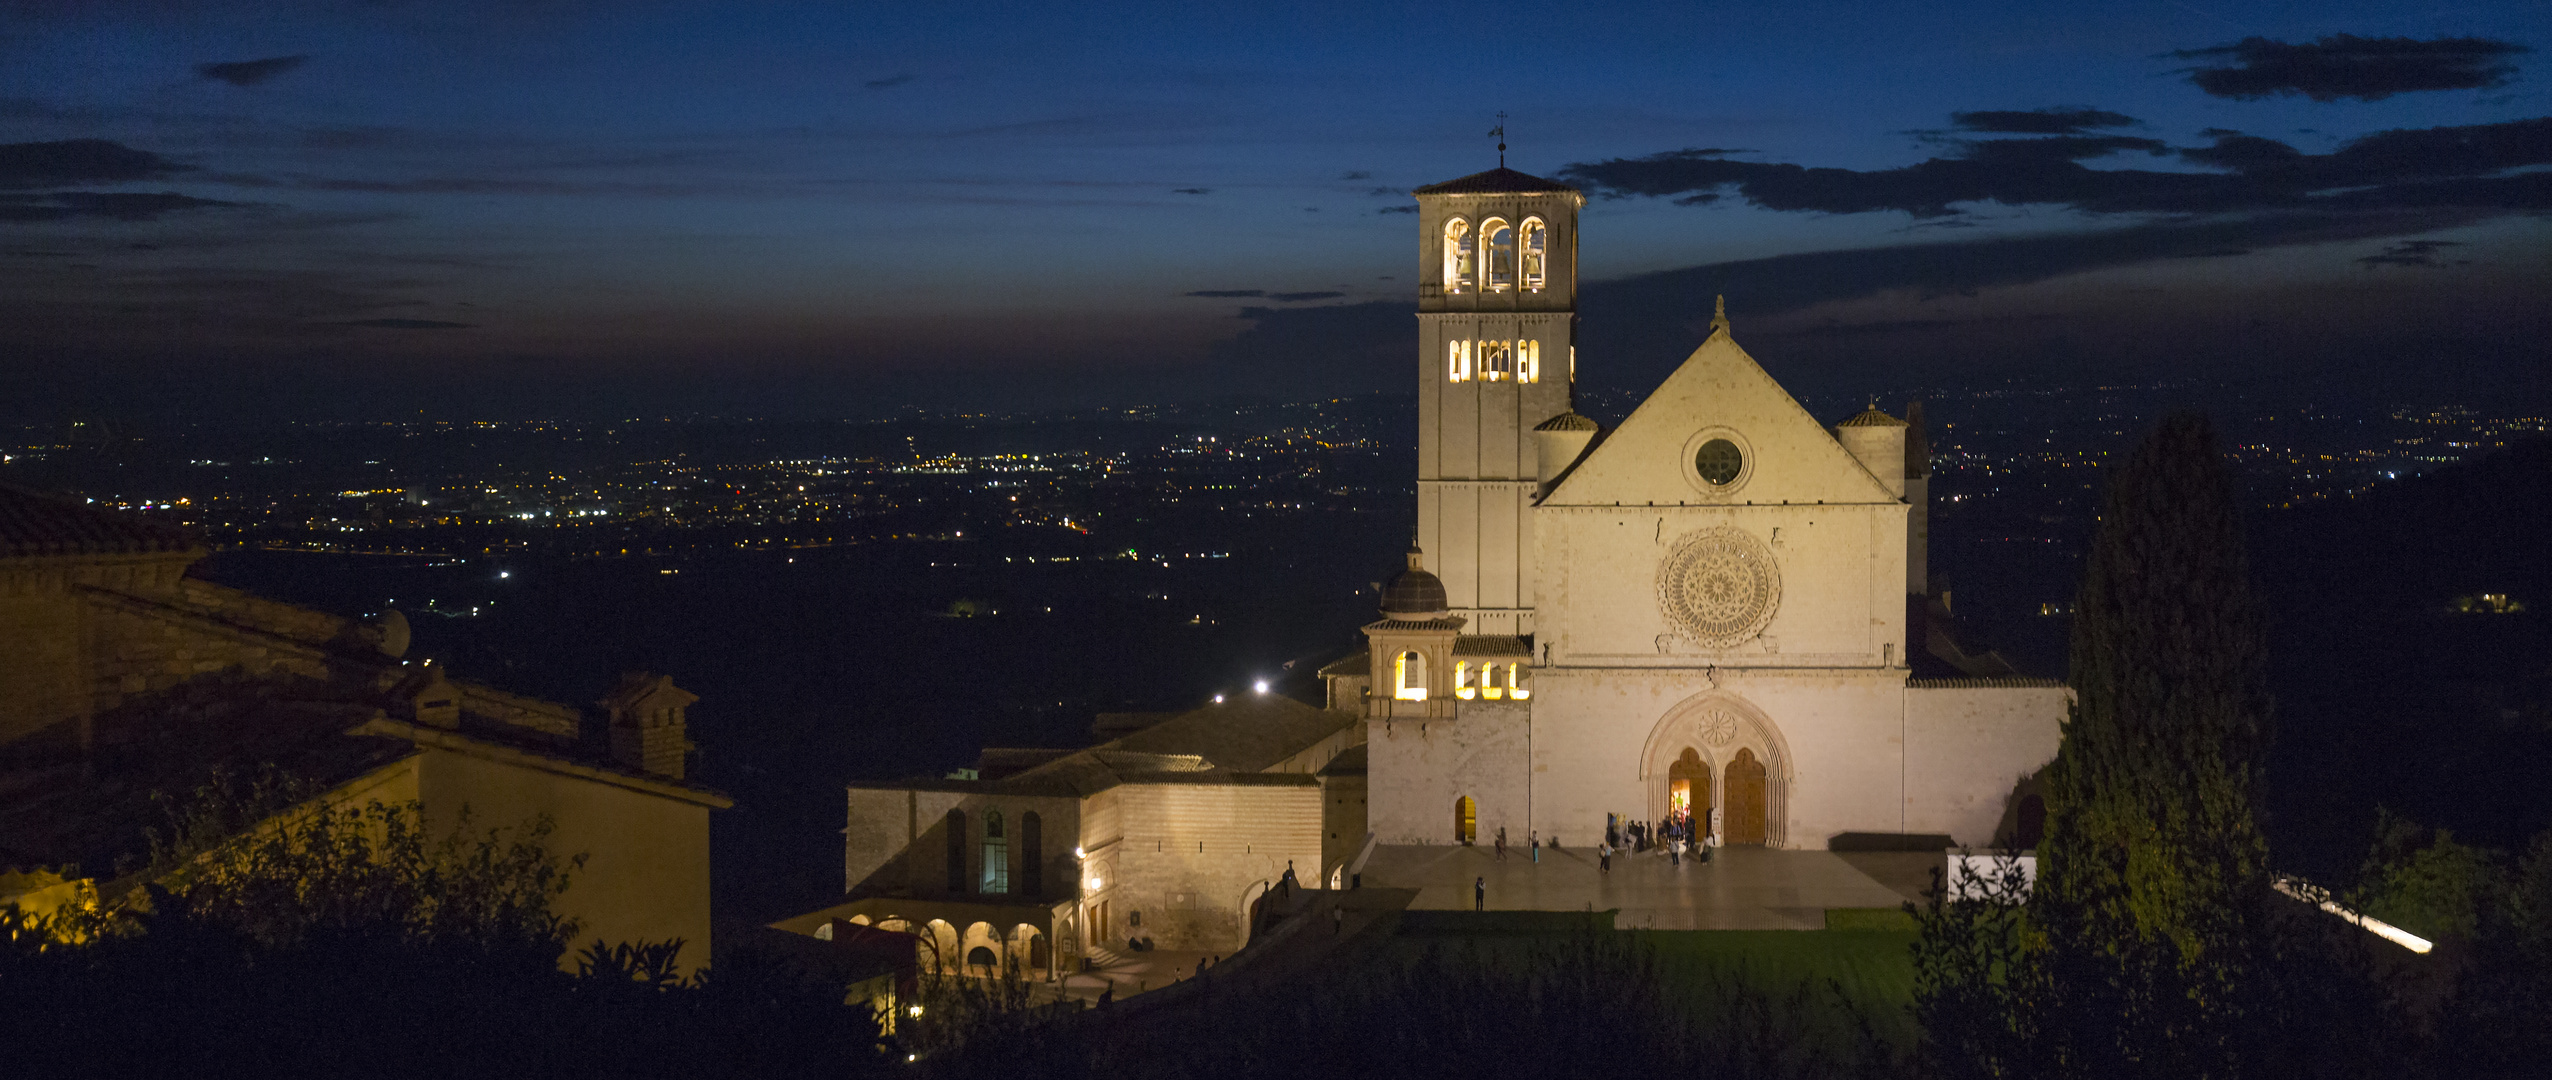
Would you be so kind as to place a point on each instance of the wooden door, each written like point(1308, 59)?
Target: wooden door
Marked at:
point(1746, 810)
point(1466, 821)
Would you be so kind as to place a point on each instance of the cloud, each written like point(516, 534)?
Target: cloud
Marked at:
point(2348, 66)
point(1357, 175)
point(888, 83)
point(410, 324)
point(2410, 253)
point(1397, 210)
point(1192, 191)
point(1226, 294)
point(2445, 166)
point(2077, 120)
point(250, 72)
point(28, 165)
point(114, 206)
point(1299, 297)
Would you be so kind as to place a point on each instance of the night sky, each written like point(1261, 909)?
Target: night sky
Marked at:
point(494, 210)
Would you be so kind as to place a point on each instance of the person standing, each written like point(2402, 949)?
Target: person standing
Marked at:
point(1533, 838)
point(1675, 850)
point(1479, 894)
point(1604, 857)
point(1501, 843)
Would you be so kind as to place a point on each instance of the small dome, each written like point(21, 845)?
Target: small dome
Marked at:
point(1568, 421)
point(1872, 417)
point(1415, 594)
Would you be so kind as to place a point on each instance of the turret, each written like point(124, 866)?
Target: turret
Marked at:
point(1878, 441)
point(1560, 441)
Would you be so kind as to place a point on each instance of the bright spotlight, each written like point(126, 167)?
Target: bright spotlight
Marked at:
point(1262, 686)
point(503, 574)
point(1218, 699)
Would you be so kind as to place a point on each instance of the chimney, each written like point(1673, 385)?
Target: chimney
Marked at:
point(646, 723)
point(427, 697)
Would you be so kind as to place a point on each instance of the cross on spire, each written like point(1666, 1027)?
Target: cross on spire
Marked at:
point(1499, 133)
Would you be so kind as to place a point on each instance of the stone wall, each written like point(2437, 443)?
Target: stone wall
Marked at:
point(1195, 854)
point(1419, 768)
point(896, 843)
point(1968, 743)
point(1829, 742)
point(1345, 813)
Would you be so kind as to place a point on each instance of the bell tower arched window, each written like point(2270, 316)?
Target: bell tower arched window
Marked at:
point(1457, 255)
point(1409, 677)
point(1458, 354)
point(1500, 241)
point(1537, 254)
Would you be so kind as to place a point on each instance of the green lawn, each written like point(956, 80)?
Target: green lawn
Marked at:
point(1867, 954)
point(1875, 969)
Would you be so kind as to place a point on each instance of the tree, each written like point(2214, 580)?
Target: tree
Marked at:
point(2153, 871)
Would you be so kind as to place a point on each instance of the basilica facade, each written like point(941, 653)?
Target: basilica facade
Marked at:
point(1718, 605)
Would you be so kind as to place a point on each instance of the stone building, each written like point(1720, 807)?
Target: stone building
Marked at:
point(1720, 605)
point(124, 677)
point(1165, 834)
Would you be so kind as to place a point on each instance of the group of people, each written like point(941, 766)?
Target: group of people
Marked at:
point(1676, 835)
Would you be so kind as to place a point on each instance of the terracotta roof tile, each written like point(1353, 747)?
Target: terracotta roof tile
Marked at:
point(34, 524)
point(1497, 181)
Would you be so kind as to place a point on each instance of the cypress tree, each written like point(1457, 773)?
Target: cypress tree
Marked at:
point(2146, 919)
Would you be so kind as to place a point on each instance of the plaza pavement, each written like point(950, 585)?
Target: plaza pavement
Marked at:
point(1742, 888)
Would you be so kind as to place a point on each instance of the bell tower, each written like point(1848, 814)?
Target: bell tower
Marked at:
point(1497, 333)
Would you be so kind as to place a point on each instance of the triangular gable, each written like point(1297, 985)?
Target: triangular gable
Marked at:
point(1793, 458)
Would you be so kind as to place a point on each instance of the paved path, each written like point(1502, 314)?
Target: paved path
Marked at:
point(1739, 889)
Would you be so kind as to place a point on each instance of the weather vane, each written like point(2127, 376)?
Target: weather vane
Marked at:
point(1499, 133)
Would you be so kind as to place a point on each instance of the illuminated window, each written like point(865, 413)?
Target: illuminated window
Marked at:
point(1489, 687)
point(1515, 682)
point(1537, 253)
point(1457, 255)
point(1462, 679)
point(1497, 360)
point(996, 855)
point(1501, 254)
point(1409, 677)
point(1528, 361)
point(1459, 354)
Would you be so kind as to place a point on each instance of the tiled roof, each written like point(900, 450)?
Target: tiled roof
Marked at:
point(1872, 417)
point(34, 524)
point(1497, 181)
point(1449, 622)
point(1359, 662)
point(1491, 645)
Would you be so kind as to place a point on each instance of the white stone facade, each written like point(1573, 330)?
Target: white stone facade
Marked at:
point(1722, 582)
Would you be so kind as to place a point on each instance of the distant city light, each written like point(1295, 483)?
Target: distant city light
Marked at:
point(503, 574)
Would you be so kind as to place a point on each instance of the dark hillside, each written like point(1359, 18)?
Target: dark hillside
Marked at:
point(2395, 684)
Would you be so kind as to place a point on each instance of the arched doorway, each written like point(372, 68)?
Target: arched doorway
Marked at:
point(1688, 789)
point(1745, 818)
point(1466, 821)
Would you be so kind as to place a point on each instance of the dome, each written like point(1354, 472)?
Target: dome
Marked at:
point(1568, 421)
point(1415, 594)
